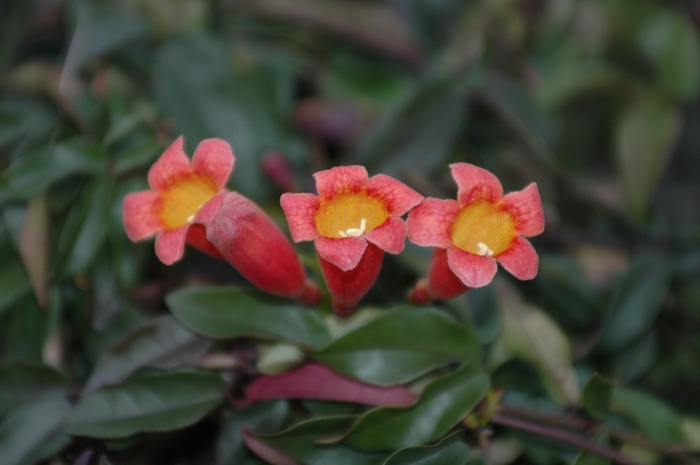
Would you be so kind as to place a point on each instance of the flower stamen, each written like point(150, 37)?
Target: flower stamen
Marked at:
point(484, 249)
point(355, 232)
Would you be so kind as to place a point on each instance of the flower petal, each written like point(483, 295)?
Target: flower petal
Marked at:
point(214, 159)
point(525, 207)
point(340, 180)
point(173, 164)
point(473, 270)
point(344, 253)
point(430, 223)
point(170, 245)
point(390, 236)
point(138, 215)
point(520, 259)
point(442, 283)
point(197, 238)
point(397, 196)
point(209, 209)
point(300, 210)
point(475, 184)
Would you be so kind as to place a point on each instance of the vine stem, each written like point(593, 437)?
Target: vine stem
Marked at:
point(563, 436)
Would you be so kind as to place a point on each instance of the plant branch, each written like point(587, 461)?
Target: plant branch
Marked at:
point(563, 436)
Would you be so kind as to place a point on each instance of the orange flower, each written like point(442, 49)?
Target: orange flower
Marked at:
point(185, 195)
point(353, 221)
point(474, 232)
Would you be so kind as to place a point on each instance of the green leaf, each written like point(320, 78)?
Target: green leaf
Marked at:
point(86, 226)
point(651, 414)
point(13, 282)
point(22, 383)
point(160, 343)
point(444, 403)
point(636, 302)
point(427, 121)
point(531, 335)
point(36, 170)
point(588, 458)
point(670, 39)
point(635, 359)
point(31, 432)
point(139, 155)
point(304, 442)
point(225, 313)
point(261, 417)
point(645, 136)
point(150, 402)
point(400, 346)
point(33, 246)
point(450, 450)
point(690, 426)
point(596, 396)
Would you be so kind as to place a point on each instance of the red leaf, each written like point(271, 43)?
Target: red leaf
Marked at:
point(316, 381)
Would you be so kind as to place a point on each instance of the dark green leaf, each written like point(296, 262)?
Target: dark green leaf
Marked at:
point(261, 417)
point(224, 313)
point(150, 402)
point(645, 136)
point(36, 170)
point(449, 451)
point(672, 42)
point(444, 403)
point(13, 282)
point(637, 301)
point(400, 346)
point(32, 432)
point(86, 226)
point(652, 415)
point(302, 442)
point(27, 331)
point(418, 133)
point(137, 156)
point(159, 343)
point(596, 396)
point(22, 383)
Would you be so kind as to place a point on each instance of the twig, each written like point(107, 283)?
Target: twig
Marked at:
point(563, 436)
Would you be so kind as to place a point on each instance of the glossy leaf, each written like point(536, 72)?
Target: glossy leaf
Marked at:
point(31, 432)
point(86, 226)
point(444, 403)
point(225, 313)
point(262, 417)
point(315, 381)
point(159, 343)
point(671, 41)
point(36, 170)
point(451, 450)
point(400, 346)
point(645, 136)
point(302, 443)
point(596, 396)
point(652, 415)
point(150, 402)
point(22, 383)
point(636, 302)
point(530, 334)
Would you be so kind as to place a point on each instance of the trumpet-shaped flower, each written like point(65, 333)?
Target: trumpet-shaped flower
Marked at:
point(353, 220)
point(474, 232)
point(184, 196)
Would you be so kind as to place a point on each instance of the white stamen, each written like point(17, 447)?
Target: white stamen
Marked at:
point(484, 249)
point(190, 218)
point(355, 232)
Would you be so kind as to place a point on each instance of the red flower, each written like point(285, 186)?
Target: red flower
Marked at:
point(352, 221)
point(474, 232)
point(185, 195)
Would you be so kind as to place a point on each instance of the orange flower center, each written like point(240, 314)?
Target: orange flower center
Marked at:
point(350, 215)
point(483, 228)
point(181, 201)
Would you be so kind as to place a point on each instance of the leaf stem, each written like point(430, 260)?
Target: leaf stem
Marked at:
point(563, 436)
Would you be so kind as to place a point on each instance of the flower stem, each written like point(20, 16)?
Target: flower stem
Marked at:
point(563, 436)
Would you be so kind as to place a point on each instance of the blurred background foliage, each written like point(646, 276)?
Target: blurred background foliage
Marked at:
point(595, 100)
